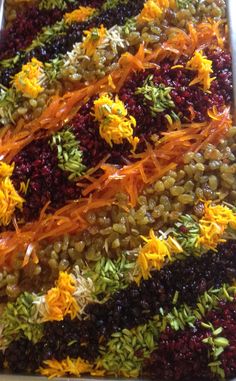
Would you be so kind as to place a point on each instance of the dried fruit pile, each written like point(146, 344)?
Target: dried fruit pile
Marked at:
point(117, 190)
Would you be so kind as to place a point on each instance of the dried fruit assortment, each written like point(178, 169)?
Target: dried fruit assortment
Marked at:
point(117, 190)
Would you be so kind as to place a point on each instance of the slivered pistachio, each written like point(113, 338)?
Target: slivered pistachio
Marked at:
point(197, 314)
point(127, 332)
point(221, 342)
point(53, 69)
point(183, 4)
point(69, 155)
point(217, 344)
point(121, 350)
point(157, 97)
point(217, 331)
point(187, 232)
point(51, 4)
point(20, 319)
point(218, 351)
point(228, 297)
point(201, 308)
point(215, 363)
point(134, 341)
point(120, 358)
point(129, 26)
point(175, 299)
point(110, 275)
point(9, 100)
point(216, 368)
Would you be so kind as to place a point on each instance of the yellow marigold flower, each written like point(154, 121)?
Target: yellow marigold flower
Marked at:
point(93, 38)
point(203, 66)
point(72, 367)
point(28, 81)
point(60, 301)
point(153, 9)
point(9, 198)
point(216, 220)
point(79, 15)
point(115, 125)
point(154, 253)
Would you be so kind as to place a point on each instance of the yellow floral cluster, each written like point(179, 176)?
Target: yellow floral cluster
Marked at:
point(115, 126)
point(9, 198)
point(28, 81)
point(203, 66)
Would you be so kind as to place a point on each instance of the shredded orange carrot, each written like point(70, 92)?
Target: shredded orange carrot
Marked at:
point(131, 179)
point(128, 62)
point(61, 109)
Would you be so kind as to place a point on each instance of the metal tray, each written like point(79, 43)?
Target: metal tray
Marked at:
point(231, 11)
point(2, 2)
point(9, 377)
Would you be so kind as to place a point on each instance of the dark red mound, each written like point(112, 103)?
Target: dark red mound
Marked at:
point(38, 164)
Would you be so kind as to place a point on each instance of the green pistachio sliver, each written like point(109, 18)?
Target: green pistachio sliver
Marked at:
point(218, 351)
point(175, 299)
point(217, 331)
point(68, 153)
point(221, 342)
point(158, 97)
point(214, 363)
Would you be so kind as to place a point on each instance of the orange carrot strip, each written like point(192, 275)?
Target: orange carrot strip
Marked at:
point(61, 109)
